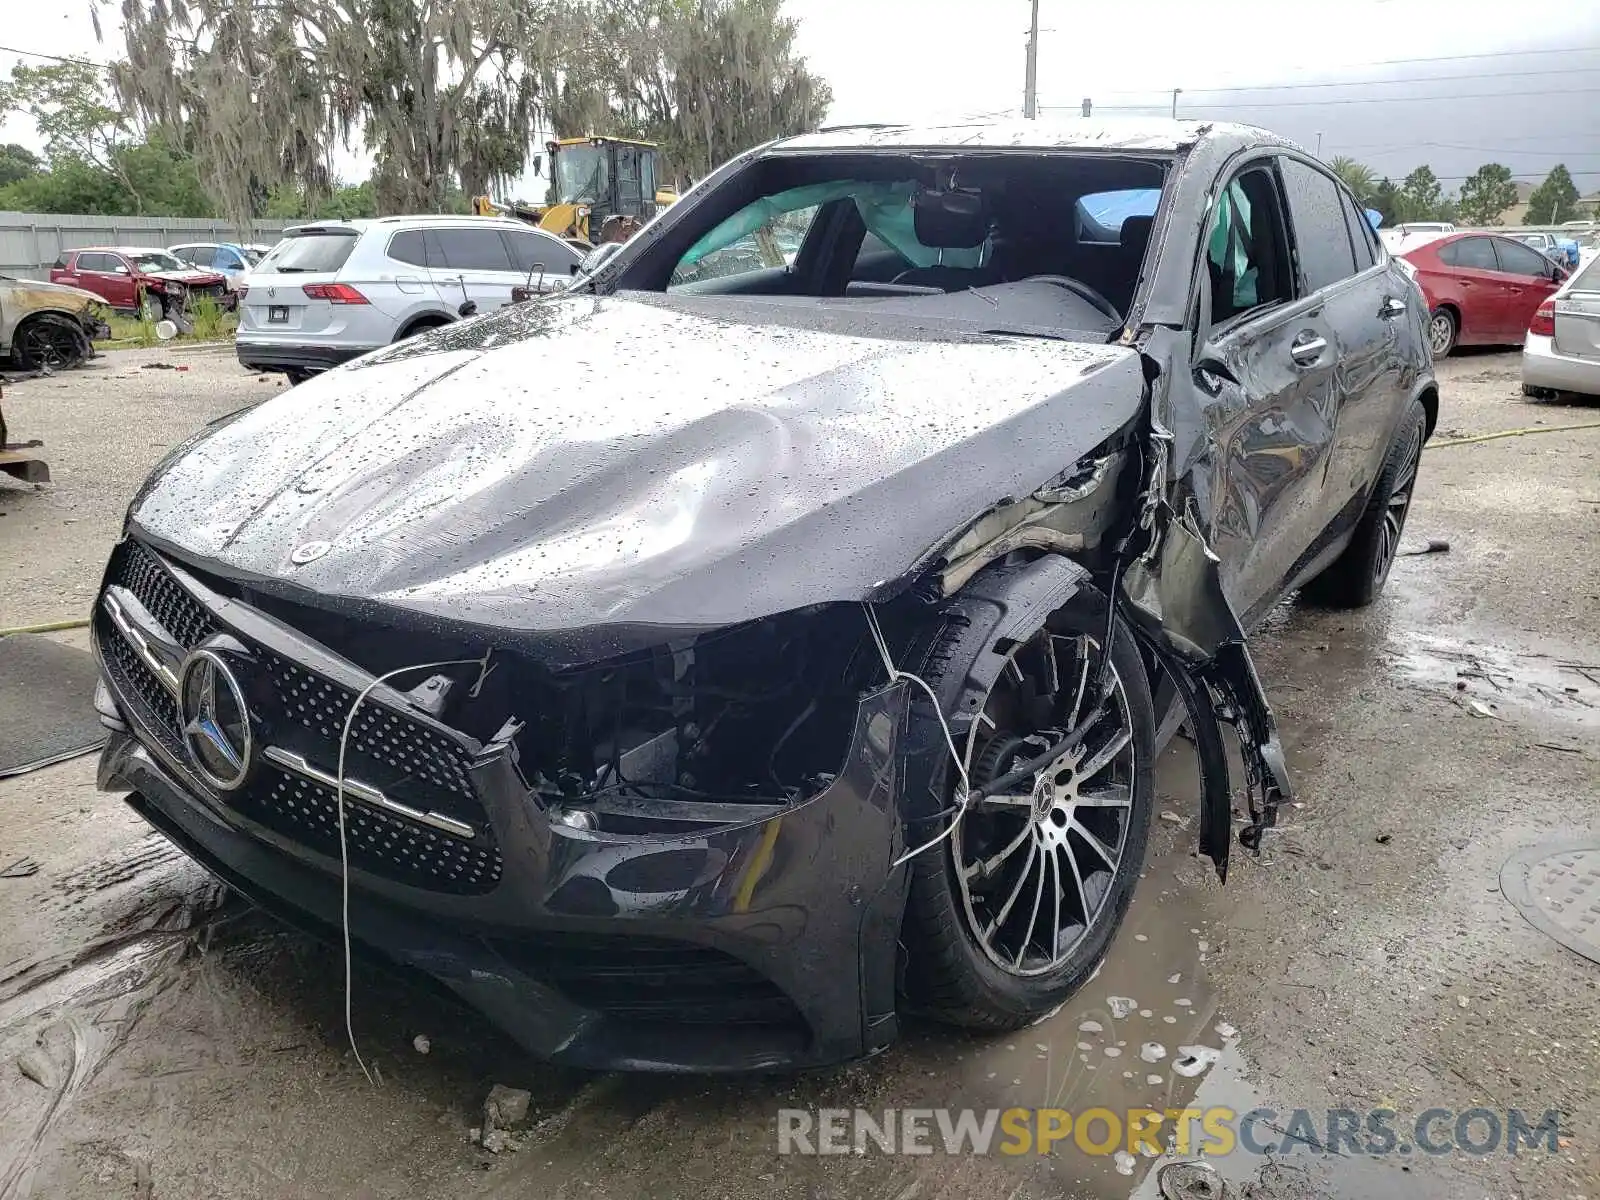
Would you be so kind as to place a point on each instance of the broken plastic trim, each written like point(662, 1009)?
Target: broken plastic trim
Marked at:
point(1172, 588)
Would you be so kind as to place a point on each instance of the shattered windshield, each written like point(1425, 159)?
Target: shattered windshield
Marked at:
point(155, 261)
point(582, 174)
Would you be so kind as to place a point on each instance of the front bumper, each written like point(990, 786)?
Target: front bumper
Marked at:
point(1547, 369)
point(762, 945)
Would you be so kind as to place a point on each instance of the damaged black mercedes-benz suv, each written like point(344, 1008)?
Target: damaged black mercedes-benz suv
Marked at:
point(774, 632)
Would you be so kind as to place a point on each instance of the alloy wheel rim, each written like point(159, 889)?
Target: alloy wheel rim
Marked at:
point(49, 346)
point(1395, 510)
point(1439, 332)
point(1035, 866)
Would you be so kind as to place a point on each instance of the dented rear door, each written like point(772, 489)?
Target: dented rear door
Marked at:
point(1362, 305)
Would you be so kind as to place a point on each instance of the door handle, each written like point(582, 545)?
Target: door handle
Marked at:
point(1392, 307)
point(1308, 347)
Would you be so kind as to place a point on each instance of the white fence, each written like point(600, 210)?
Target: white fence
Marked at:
point(30, 242)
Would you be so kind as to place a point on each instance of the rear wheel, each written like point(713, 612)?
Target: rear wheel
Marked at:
point(1010, 915)
point(1356, 578)
point(1442, 331)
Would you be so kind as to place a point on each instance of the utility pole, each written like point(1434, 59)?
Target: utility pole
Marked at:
point(1030, 84)
point(1176, 92)
point(1319, 143)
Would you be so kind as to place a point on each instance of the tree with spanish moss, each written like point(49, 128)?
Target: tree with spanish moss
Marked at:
point(451, 96)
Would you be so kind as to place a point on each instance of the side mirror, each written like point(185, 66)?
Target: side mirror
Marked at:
point(1558, 274)
point(469, 308)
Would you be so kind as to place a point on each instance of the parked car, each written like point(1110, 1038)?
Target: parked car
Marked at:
point(331, 291)
point(1563, 250)
point(1562, 349)
point(715, 667)
point(49, 324)
point(132, 279)
point(1482, 289)
point(230, 259)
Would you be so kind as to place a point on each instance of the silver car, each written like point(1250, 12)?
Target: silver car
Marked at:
point(1562, 350)
point(332, 291)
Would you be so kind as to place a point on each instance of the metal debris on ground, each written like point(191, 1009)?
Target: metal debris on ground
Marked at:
point(20, 869)
point(1434, 546)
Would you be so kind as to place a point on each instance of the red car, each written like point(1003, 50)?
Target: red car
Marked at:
point(1482, 290)
point(138, 280)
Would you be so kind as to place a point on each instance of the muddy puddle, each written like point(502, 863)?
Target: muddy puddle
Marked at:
point(1498, 681)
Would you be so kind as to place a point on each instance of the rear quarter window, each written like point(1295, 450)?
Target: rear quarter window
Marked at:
point(312, 250)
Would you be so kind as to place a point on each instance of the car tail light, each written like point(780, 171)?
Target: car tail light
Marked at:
point(1544, 320)
point(336, 293)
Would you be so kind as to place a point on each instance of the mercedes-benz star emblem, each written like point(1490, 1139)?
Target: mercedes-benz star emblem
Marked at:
point(216, 721)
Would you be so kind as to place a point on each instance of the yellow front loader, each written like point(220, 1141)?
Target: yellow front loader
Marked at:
point(593, 180)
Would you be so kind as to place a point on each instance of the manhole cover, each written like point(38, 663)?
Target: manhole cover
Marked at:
point(1557, 888)
point(1191, 1181)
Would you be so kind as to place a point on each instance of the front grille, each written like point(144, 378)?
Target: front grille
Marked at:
point(305, 713)
point(652, 980)
point(385, 845)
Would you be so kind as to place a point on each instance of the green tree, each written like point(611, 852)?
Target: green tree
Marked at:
point(346, 202)
point(1386, 199)
point(440, 93)
point(1553, 201)
point(1420, 197)
point(704, 79)
point(17, 162)
point(1358, 177)
point(1487, 194)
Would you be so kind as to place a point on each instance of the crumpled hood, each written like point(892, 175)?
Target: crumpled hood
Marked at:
point(187, 277)
point(58, 291)
point(591, 461)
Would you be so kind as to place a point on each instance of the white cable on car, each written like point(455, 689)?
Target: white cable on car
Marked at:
point(965, 787)
point(344, 854)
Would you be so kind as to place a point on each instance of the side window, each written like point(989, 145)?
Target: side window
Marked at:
point(1247, 248)
point(1321, 235)
point(1516, 259)
point(407, 247)
point(103, 263)
point(1473, 254)
point(530, 249)
point(470, 249)
point(225, 259)
point(772, 244)
point(1362, 238)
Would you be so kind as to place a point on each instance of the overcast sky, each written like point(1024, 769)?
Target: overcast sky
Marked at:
point(1512, 83)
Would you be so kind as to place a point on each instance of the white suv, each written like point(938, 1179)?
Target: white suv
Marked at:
point(331, 291)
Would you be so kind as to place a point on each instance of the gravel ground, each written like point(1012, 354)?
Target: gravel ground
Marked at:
point(1367, 959)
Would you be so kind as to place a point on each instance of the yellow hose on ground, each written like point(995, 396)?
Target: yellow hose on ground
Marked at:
point(1505, 433)
point(47, 627)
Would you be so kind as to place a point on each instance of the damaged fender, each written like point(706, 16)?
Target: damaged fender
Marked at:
point(1172, 588)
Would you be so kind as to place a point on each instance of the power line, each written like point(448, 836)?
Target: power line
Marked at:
point(1291, 87)
point(1325, 103)
point(61, 58)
